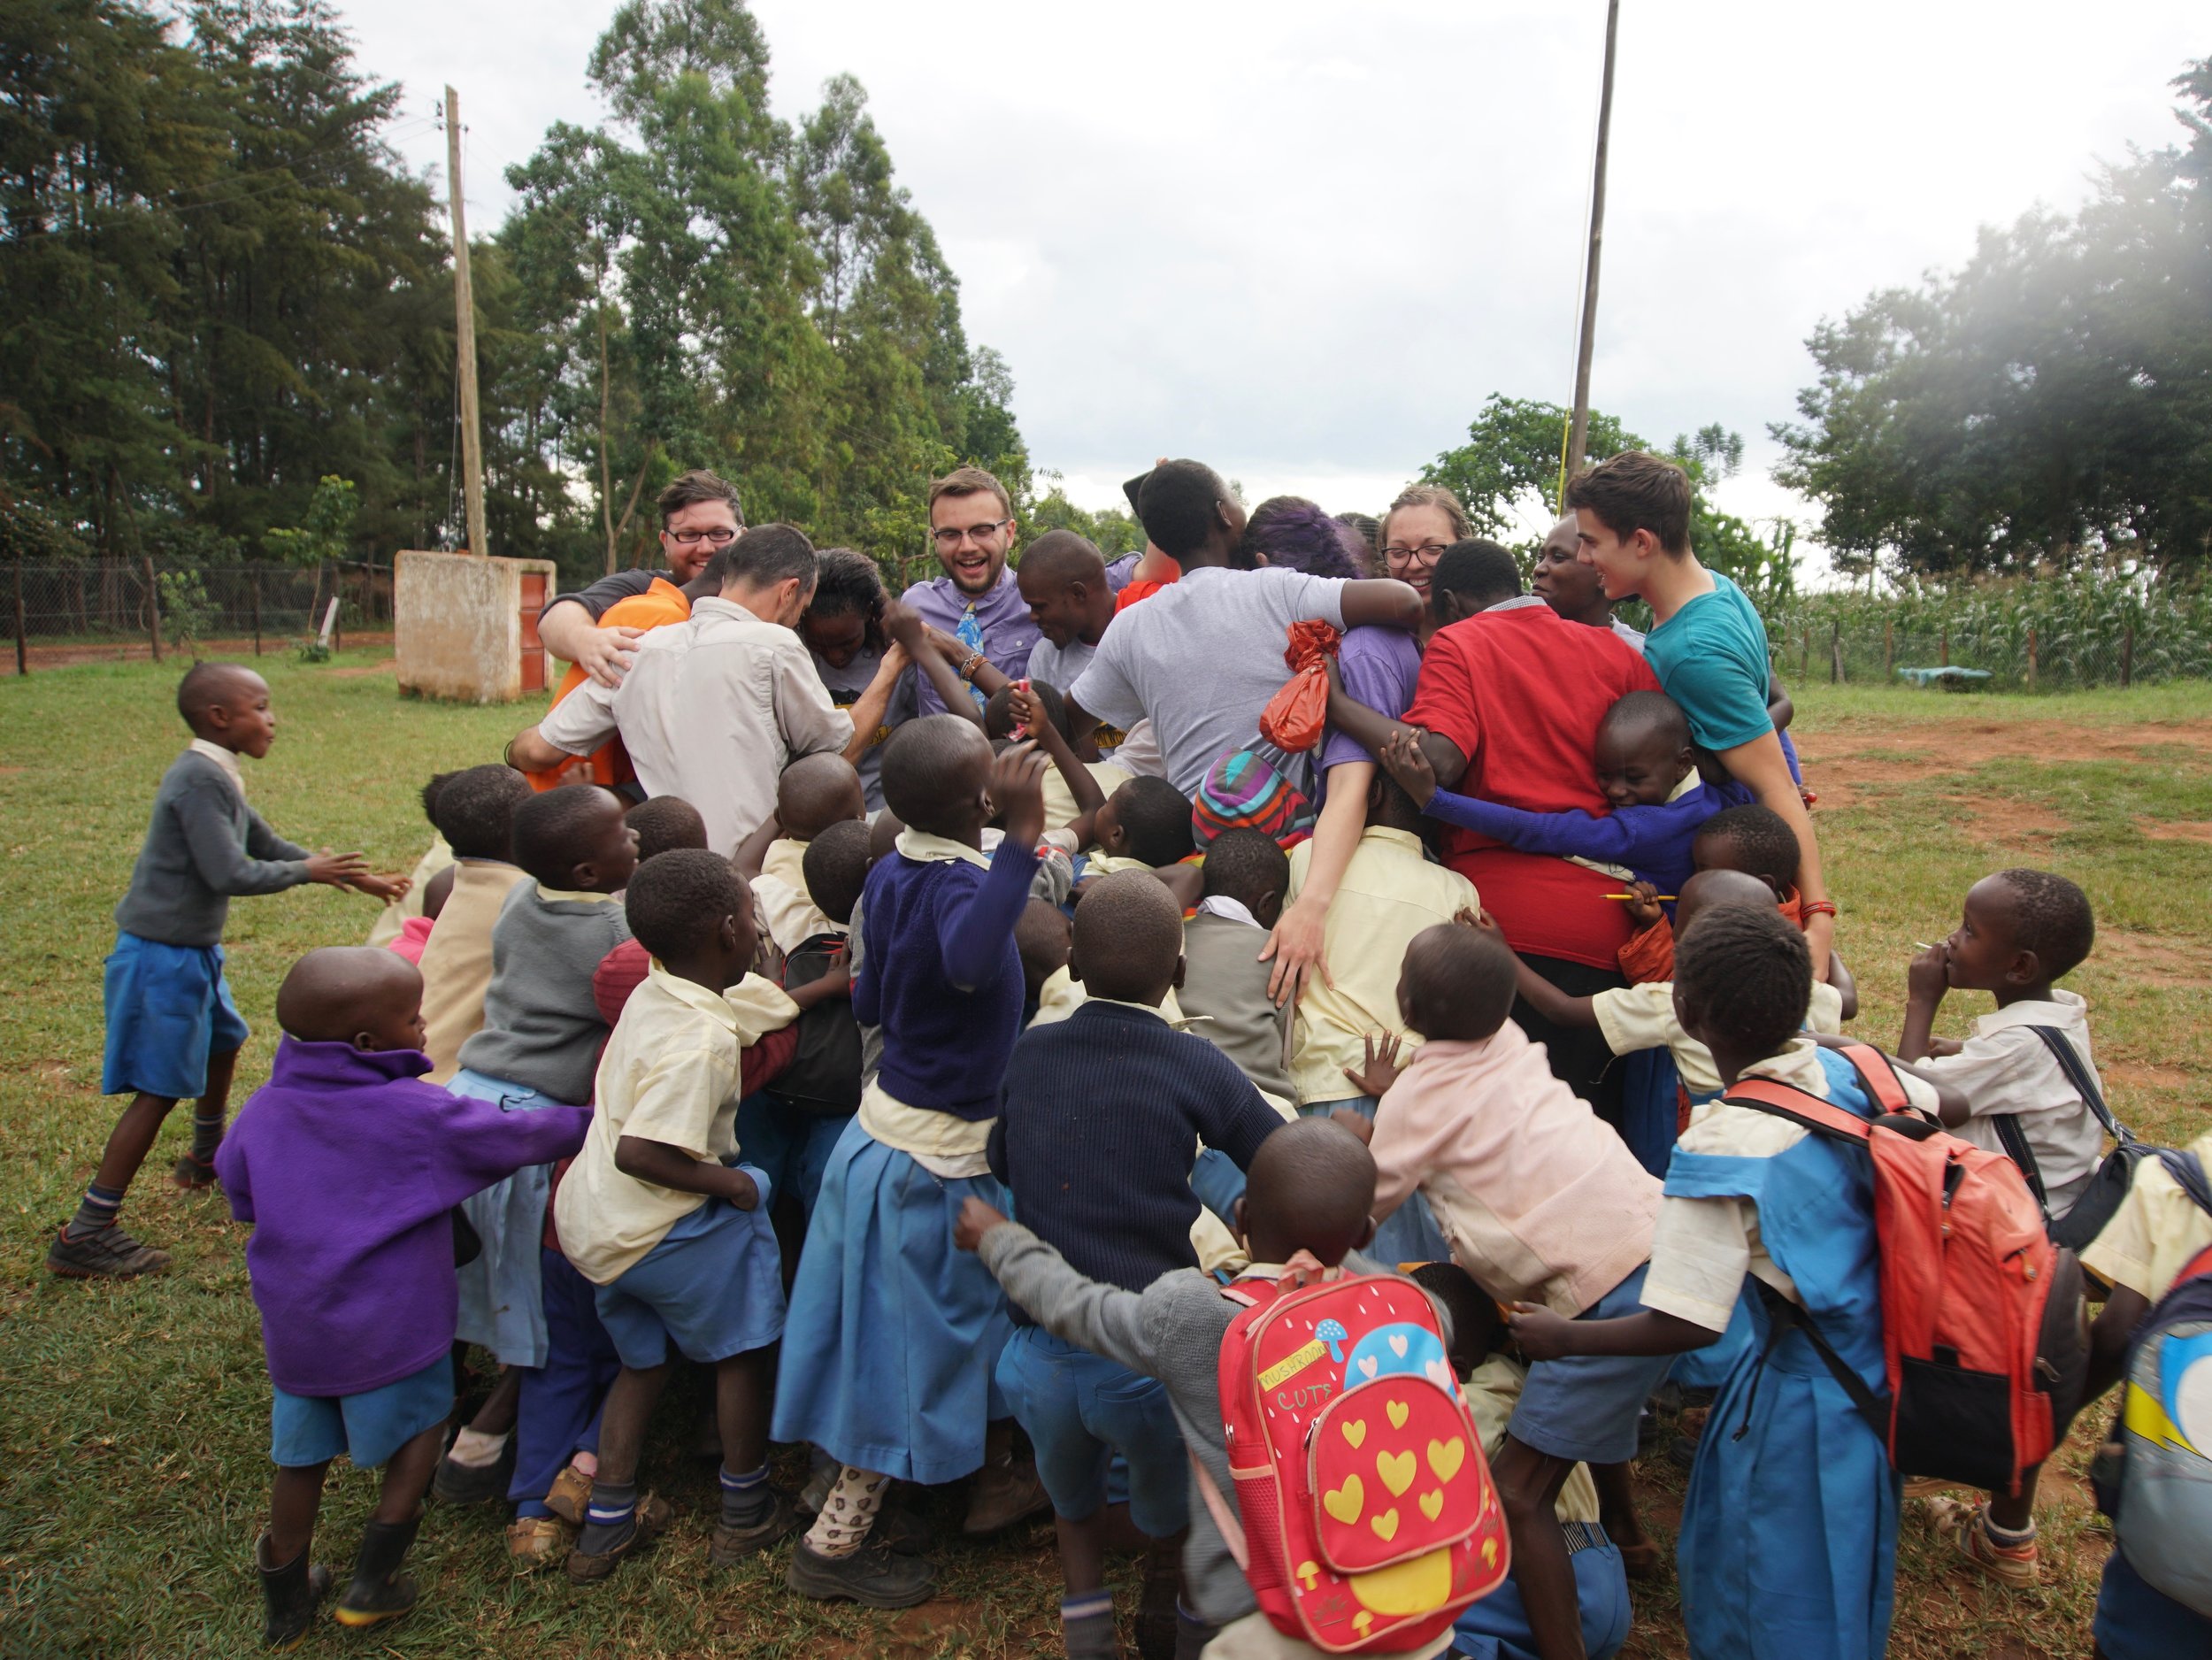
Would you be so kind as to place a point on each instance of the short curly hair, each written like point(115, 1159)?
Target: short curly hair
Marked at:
point(1296, 534)
point(2051, 917)
point(475, 810)
point(1155, 815)
point(1746, 974)
point(1760, 842)
point(846, 583)
point(675, 903)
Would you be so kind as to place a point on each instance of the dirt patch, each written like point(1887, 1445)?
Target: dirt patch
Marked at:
point(2130, 1075)
point(943, 1626)
point(2158, 959)
point(1842, 761)
point(2179, 830)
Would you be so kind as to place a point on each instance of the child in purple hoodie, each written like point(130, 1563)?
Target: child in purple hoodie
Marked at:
point(349, 1166)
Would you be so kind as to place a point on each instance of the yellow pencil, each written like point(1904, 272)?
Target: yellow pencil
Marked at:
point(1638, 895)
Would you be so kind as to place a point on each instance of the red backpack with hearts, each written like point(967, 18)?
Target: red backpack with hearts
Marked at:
point(1369, 1518)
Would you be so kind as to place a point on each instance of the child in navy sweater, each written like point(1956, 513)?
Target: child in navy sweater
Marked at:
point(893, 1335)
point(1649, 773)
point(1100, 1116)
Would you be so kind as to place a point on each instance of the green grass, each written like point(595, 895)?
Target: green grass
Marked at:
point(134, 1433)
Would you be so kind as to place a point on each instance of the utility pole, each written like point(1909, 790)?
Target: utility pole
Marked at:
point(1578, 434)
point(464, 330)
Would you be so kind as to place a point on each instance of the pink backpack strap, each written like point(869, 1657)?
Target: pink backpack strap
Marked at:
point(1880, 1075)
point(1217, 1507)
point(1798, 1106)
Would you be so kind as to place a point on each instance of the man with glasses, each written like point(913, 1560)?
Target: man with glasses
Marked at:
point(699, 516)
point(976, 603)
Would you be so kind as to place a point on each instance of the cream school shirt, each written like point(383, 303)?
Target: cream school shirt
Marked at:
point(2154, 1233)
point(1634, 1018)
point(2004, 1067)
point(781, 900)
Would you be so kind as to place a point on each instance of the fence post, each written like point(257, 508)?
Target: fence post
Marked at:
point(1804, 648)
point(1888, 647)
point(337, 611)
point(22, 653)
point(257, 612)
point(1835, 654)
point(1947, 646)
point(2030, 656)
point(153, 608)
point(2127, 658)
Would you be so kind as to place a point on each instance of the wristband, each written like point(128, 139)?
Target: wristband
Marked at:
point(1816, 908)
point(968, 668)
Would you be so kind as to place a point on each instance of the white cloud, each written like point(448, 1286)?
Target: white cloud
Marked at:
point(1304, 243)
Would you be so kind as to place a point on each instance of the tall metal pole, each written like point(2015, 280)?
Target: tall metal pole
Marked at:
point(1578, 434)
point(464, 330)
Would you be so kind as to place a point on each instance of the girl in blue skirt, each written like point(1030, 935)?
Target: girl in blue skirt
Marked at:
point(893, 1336)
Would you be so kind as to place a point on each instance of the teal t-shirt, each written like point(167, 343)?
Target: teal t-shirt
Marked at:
point(1711, 657)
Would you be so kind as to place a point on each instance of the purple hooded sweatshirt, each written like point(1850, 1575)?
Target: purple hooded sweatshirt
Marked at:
point(347, 1164)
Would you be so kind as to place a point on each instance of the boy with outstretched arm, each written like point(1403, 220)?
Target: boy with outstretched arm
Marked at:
point(1312, 1186)
point(1094, 1139)
point(172, 1030)
point(659, 1216)
point(349, 1165)
point(895, 1338)
point(1789, 1532)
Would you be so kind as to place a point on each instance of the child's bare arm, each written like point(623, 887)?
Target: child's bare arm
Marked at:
point(835, 985)
point(671, 1167)
point(1540, 994)
point(1545, 1336)
point(1925, 982)
point(386, 887)
point(1846, 988)
point(1029, 710)
point(752, 852)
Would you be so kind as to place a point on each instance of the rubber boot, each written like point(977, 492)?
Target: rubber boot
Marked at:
point(292, 1592)
point(380, 1591)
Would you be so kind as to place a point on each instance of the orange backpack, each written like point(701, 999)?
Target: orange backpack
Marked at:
point(1982, 1335)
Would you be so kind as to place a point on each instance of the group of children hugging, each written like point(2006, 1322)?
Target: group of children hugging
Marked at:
point(910, 1129)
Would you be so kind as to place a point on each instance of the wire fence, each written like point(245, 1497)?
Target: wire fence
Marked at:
point(58, 610)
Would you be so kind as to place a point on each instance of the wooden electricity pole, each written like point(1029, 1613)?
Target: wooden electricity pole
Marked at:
point(1578, 434)
point(464, 330)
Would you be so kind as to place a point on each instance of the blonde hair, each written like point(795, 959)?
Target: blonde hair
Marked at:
point(1427, 496)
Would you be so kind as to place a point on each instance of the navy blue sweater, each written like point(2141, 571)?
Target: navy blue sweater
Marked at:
point(1654, 841)
point(939, 974)
point(1098, 1131)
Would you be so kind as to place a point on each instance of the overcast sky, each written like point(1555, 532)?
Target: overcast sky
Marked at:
point(1304, 242)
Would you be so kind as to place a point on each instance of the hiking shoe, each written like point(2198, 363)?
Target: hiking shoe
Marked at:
point(535, 1541)
point(651, 1519)
point(872, 1576)
point(106, 1253)
point(193, 1176)
point(898, 1528)
point(817, 1491)
point(571, 1492)
point(380, 1591)
point(475, 1484)
point(733, 1545)
point(2016, 1567)
point(291, 1594)
point(1003, 1494)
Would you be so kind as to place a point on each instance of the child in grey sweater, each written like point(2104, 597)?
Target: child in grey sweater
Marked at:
point(172, 1030)
point(1311, 1184)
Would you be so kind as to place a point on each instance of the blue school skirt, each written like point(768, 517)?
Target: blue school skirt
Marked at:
point(502, 1297)
point(893, 1340)
point(168, 1009)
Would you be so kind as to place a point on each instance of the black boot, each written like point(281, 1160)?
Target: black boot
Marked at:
point(380, 1591)
point(292, 1592)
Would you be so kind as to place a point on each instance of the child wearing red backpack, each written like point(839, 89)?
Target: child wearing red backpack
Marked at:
point(1310, 1185)
point(1789, 1544)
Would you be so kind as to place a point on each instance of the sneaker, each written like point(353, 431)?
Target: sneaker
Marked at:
point(1003, 1494)
point(535, 1541)
point(192, 1175)
point(2016, 1567)
point(571, 1492)
point(106, 1253)
point(475, 1484)
point(872, 1576)
point(589, 1567)
point(733, 1545)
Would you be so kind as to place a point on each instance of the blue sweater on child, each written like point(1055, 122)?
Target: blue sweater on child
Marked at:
point(1098, 1131)
point(940, 974)
point(1652, 842)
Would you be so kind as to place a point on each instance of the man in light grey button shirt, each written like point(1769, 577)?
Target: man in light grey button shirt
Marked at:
point(713, 709)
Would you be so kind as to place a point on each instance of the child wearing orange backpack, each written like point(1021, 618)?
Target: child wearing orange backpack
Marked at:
point(1787, 1550)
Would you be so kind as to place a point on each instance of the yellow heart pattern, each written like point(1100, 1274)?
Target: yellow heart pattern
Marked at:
point(1399, 1412)
point(1445, 1456)
point(1345, 1502)
point(1432, 1503)
point(1396, 1470)
point(1386, 1526)
point(1354, 1431)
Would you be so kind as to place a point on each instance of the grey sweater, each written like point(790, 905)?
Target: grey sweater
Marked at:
point(202, 846)
point(1224, 980)
point(1173, 1330)
point(542, 1026)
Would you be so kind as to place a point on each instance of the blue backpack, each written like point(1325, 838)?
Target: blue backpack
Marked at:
point(2154, 1476)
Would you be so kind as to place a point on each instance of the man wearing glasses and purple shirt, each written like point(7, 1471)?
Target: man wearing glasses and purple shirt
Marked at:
point(977, 601)
point(699, 516)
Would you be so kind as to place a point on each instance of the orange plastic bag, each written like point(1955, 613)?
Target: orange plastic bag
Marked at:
point(1295, 717)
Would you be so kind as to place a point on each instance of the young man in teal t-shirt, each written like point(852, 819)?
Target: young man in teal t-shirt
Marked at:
point(1707, 645)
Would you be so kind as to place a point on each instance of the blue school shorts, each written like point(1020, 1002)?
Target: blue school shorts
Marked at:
point(1079, 1409)
point(368, 1427)
point(713, 1288)
point(2138, 1621)
point(168, 1009)
point(791, 1144)
point(1583, 1408)
point(1496, 1628)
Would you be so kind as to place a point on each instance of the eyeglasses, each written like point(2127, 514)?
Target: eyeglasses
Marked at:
point(693, 538)
point(950, 537)
point(1427, 553)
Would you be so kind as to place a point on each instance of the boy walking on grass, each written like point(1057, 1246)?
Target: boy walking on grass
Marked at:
point(172, 1030)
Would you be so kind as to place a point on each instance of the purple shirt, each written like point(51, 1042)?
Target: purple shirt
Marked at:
point(347, 1164)
point(1379, 668)
point(1001, 613)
